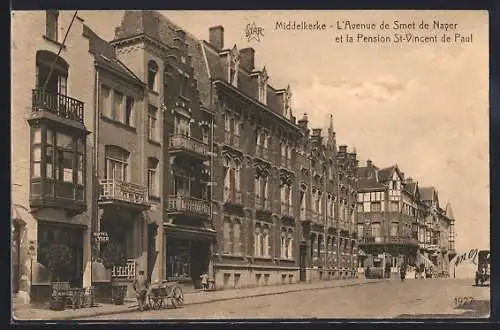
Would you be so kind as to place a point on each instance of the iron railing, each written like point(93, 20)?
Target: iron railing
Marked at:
point(126, 271)
point(61, 105)
point(182, 142)
point(111, 189)
point(188, 205)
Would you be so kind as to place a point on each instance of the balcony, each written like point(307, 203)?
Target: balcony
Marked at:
point(125, 272)
point(232, 196)
point(231, 139)
point(262, 152)
point(188, 205)
point(116, 192)
point(60, 105)
point(262, 203)
point(182, 143)
point(387, 240)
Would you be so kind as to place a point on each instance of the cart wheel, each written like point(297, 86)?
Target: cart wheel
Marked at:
point(177, 297)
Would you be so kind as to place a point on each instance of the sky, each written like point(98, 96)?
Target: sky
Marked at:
point(422, 106)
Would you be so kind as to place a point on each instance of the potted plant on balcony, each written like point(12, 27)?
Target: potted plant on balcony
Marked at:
point(114, 255)
point(59, 259)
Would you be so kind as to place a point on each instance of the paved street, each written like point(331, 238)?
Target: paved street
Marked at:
point(389, 299)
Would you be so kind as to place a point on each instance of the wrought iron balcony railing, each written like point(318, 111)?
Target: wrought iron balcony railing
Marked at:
point(114, 190)
point(61, 105)
point(186, 204)
point(187, 143)
point(126, 271)
point(386, 239)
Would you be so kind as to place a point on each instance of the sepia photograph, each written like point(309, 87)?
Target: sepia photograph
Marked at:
point(249, 165)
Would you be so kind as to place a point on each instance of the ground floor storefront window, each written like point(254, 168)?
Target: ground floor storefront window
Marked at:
point(60, 250)
point(186, 259)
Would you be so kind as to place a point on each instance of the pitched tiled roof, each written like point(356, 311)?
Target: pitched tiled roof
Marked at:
point(426, 193)
point(362, 172)
point(105, 54)
point(385, 173)
point(247, 81)
point(156, 26)
point(410, 187)
point(369, 183)
point(449, 211)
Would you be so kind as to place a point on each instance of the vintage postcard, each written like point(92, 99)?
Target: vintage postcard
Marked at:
point(214, 165)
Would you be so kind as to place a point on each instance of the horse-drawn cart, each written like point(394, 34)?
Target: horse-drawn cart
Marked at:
point(159, 295)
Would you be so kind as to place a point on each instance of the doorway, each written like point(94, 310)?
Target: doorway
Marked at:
point(302, 262)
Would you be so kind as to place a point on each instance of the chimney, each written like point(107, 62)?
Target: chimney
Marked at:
point(247, 58)
point(216, 37)
point(343, 149)
point(409, 179)
point(369, 163)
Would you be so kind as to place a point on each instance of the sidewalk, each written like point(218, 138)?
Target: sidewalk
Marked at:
point(23, 313)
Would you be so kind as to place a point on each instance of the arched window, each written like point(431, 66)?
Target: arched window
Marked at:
point(153, 76)
point(236, 237)
point(117, 161)
point(266, 242)
point(257, 241)
point(289, 244)
point(283, 243)
point(51, 73)
point(227, 236)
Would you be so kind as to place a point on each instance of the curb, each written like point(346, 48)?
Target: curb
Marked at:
point(117, 312)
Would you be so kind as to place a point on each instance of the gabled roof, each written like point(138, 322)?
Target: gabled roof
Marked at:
point(154, 25)
point(428, 193)
point(449, 211)
point(411, 187)
point(104, 54)
point(385, 174)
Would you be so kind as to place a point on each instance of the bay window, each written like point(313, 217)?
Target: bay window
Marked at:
point(57, 165)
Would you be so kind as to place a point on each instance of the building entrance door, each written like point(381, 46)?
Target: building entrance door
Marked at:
point(303, 262)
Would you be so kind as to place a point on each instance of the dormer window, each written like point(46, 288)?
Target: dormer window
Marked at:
point(234, 61)
point(263, 86)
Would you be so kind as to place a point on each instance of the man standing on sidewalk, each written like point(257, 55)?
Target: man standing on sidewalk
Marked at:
point(141, 287)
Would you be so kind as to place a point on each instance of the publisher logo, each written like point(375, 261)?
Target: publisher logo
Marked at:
point(254, 32)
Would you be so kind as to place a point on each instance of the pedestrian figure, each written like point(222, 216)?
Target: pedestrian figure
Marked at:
point(141, 288)
point(422, 271)
point(402, 271)
point(204, 281)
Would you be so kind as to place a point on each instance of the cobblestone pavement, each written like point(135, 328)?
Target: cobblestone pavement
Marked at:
point(24, 312)
point(433, 298)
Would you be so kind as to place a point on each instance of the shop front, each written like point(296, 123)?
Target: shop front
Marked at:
point(188, 255)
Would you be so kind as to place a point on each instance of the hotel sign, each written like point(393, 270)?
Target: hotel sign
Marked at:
point(101, 236)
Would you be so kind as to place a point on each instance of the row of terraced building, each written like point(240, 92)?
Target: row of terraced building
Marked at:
point(183, 156)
